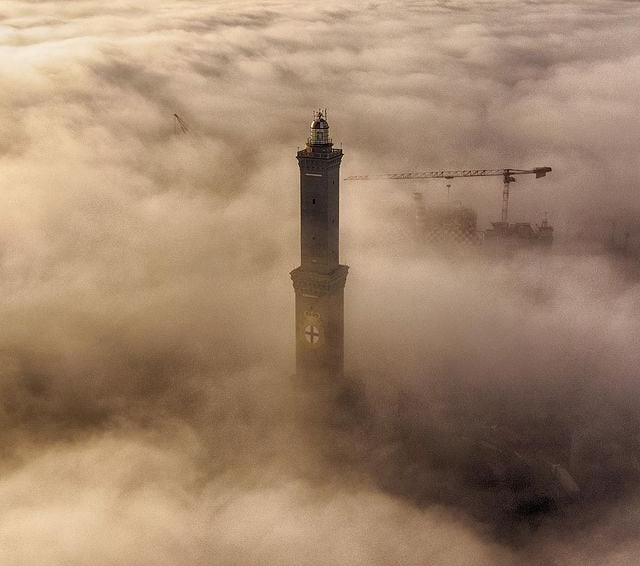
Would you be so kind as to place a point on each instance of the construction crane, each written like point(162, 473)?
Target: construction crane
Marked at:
point(506, 174)
point(179, 125)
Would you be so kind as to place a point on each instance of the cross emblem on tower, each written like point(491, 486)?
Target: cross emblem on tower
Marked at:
point(312, 334)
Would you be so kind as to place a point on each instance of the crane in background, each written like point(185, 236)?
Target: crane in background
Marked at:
point(179, 125)
point(508, 176)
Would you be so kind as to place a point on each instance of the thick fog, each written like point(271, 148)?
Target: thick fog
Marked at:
point(149, 414)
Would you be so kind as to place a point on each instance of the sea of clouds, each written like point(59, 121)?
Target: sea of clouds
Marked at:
point(148, 413)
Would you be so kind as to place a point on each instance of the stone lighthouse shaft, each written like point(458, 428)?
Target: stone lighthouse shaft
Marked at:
point(320, 279)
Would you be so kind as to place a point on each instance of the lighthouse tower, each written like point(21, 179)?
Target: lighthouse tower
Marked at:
point(320, 279)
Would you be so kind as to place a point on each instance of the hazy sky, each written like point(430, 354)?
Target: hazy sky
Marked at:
point(147, 410)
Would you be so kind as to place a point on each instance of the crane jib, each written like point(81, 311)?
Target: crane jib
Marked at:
point(452, 174)
point(506, 174)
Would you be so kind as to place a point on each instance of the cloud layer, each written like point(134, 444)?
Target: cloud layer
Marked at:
point(148, 414)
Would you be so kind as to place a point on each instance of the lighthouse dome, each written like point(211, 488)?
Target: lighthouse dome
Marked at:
point(319, 130)
point(319, 122)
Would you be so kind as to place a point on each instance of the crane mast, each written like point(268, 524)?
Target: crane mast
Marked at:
point(179, 125)
point(506, 174)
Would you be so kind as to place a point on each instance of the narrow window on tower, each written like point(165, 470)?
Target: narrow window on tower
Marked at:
point(314, 201)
